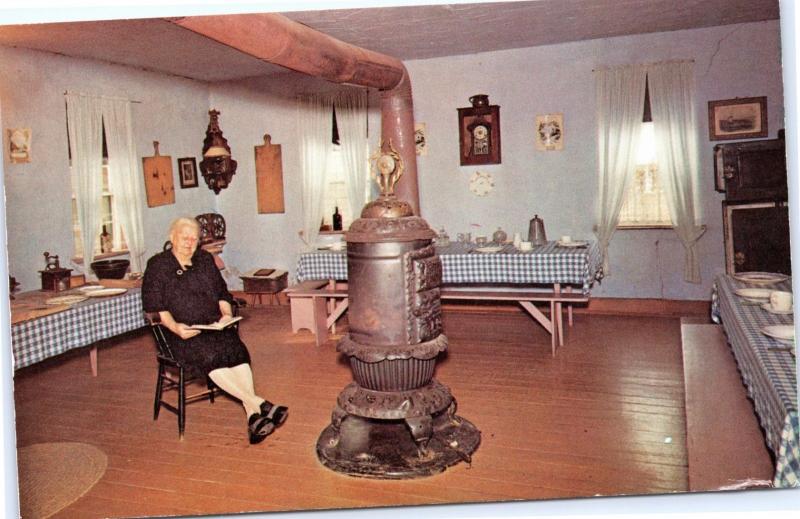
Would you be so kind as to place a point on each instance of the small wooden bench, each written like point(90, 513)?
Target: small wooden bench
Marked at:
point(724, 442)
point(314, 299)
point(308, 302)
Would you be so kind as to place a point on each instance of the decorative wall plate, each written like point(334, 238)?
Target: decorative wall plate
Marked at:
point(481, 183)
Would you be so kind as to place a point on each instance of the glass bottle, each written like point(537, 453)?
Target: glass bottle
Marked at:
point(337, 219)
point(105, 241)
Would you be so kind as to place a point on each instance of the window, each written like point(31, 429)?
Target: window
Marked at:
point(335, 190)
point(107, 245)
point(336, 194)
point(645, 203)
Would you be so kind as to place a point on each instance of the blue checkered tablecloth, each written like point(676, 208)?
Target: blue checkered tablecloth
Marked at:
point(546, 264)
point(769, 374)
point(84, 323)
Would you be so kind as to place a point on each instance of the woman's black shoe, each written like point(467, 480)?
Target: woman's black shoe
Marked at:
point(277, 414)
point(259, 427)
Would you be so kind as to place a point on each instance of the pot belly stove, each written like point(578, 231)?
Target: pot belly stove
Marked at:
point(394, 421)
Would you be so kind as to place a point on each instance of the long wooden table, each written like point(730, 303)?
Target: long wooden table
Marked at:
point(768, 371)
point(39, 332)
point(509, 270)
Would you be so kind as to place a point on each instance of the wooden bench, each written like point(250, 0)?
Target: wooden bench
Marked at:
point(554, 324)
point(724, 442)
point(322, 317)
point(308, 302)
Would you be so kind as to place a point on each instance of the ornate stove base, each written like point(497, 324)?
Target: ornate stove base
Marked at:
point(386, 449)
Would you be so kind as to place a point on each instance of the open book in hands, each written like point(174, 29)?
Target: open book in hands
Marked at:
point(219, 325)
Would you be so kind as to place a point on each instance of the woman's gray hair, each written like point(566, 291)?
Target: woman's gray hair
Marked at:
point(183, 221)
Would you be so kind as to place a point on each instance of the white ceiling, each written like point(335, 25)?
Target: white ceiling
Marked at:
point(408, 32)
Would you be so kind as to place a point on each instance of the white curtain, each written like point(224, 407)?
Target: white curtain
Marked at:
point(619, 96)
point(351, 120)
point(674, 123)
point(85, 127)
point(124, 178)
point(315, 125)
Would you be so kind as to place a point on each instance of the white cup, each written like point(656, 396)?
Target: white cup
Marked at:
point(566, 239)
point(525, 245)
point(780, 301)
point(338, 245)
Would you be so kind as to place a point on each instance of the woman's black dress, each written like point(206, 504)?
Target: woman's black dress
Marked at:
point(192, 297)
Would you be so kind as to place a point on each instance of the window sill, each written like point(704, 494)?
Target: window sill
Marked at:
point(107, 255)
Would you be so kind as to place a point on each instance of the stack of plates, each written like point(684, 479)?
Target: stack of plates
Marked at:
point(758, 295)
point(489, 250)
point(760, 278)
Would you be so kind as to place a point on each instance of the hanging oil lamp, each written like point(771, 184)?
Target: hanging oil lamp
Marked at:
point(217, 166)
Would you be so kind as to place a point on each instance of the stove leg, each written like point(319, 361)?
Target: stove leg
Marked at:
point(451, 413)
point(337, 415)
point(421, 430)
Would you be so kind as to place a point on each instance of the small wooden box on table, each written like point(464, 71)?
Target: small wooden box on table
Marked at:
point(265, 281)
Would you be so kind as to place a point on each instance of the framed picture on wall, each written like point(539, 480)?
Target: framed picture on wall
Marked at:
point(420, 139)
point(740, 118)
point(479, 132)
point(550, 132)
point(187, 171)
point(19, 145)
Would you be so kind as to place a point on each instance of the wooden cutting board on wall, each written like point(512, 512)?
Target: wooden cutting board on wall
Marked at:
point(269, 177)
point(158, 180)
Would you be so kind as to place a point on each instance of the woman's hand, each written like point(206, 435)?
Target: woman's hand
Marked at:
point(180, 329)
point(224, 320)
point(184, 332)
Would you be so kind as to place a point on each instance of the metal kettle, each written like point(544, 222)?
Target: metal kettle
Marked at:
point(536, 234)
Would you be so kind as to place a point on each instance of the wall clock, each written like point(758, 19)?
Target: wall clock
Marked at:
point(481, 183)
point(479, 132)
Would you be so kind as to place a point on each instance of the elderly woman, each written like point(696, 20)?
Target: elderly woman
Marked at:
point(184, 286)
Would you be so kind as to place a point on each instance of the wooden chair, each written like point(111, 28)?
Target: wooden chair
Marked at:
point(171, 376)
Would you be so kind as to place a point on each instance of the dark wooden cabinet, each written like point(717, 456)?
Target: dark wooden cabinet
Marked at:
point(757, 237)
point(755, 215)
point(750, 171)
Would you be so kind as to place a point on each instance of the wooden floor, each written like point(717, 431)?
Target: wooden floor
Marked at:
point(604, 417)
